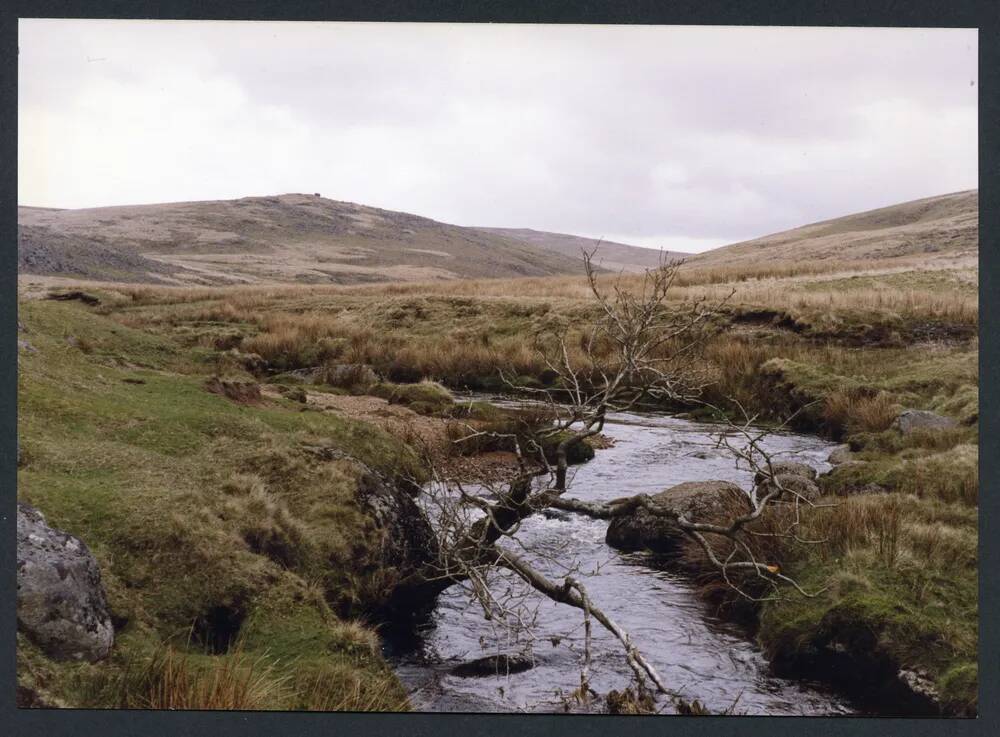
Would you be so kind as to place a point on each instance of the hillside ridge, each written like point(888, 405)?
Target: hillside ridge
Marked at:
point(944, 226)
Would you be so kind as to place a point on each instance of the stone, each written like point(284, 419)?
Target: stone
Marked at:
point(698, 501)
point(494, 665)
point(793, 485)
point(840, 454)
point(786, 468)
point(920, 683)
point(911, 420)
point(88, 299)
point(61, 603)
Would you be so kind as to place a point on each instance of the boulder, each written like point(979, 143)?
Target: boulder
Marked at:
point(494, 665)
point(793, 485)
point(24, 346)
point(911, 420)
point(696, 500)
point(840, 454)
point(786, 468)
point(61, 603)
point(407, 543)
point(920, 684)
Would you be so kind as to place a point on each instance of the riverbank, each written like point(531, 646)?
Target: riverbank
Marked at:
point(847, 367)
point(248, 535)
point(705, 657)
point(243, 569)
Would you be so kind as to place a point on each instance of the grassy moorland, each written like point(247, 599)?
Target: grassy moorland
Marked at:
point(142, 469)
point(239, 570)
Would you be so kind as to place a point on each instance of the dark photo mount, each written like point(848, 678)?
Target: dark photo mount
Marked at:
point(270, 531)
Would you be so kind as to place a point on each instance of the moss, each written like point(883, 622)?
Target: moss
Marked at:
point(959, 689)
point(917, 609)
point(963, 404)
point(951, 475)
point(425, 397)
point(576, 452)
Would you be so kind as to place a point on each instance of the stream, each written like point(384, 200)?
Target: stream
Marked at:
point(700, 656)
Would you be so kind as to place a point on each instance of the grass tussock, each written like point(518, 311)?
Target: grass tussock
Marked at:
point(857, 412)
point(172, 680)
point(264, 521)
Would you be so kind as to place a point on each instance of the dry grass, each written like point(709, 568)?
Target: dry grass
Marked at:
point(350, 694)
point(775, 284)
point(860, 412)
point(860, 523)
point(264, 521)
point(173, 680)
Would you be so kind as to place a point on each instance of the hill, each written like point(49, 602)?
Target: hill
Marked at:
point(612, 256)
point(287, 238)
point(946, 226)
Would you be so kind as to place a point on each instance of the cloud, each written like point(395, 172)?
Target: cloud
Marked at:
point(663, 136)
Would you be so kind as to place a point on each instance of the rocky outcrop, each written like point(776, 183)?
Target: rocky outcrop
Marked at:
point(696, 500)
point(913, 420)
point(61, 603)
point(407, 543)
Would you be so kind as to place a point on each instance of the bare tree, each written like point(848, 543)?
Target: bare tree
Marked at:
point(638, 352)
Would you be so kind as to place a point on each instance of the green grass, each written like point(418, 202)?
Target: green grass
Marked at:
point(916, 606)
point(424, 397)
point(137, 455)
point(140, 472)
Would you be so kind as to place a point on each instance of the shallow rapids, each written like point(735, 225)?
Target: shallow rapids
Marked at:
point(702, 657)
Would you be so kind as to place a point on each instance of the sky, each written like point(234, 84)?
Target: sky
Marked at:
point(677, 137)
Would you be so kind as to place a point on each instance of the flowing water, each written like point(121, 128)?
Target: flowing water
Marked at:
point(697, 654)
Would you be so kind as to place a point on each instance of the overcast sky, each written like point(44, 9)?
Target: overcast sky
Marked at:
point(676, 137)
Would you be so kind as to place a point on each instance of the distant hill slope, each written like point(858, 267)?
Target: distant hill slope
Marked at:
point(936, 227)
point(610, 255)
point(286, 238)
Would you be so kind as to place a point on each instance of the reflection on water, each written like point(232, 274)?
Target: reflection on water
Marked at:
point(705, 659)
